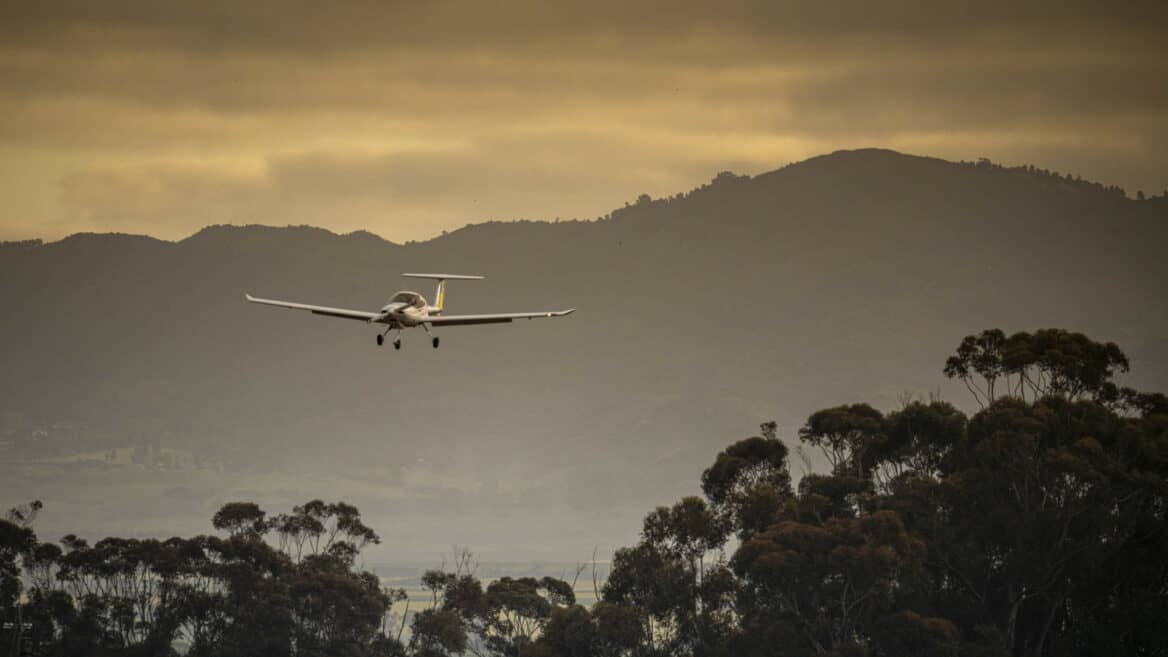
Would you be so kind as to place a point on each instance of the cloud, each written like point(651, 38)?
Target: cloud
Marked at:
point(164, 116)
point(403, 192)
point(304, 27)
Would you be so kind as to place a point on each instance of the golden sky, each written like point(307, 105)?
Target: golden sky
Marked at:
point(409, 118)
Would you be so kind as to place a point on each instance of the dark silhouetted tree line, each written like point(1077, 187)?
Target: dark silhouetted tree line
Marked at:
point(1035, 527)
point(1054, 177)
point(239, 595)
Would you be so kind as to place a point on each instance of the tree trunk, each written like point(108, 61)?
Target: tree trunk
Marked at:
point(1054, 608)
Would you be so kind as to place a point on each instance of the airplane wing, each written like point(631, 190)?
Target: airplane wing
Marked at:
point(497, 318)
point(318, 310)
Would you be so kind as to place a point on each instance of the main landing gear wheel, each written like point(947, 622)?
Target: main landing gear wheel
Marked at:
point(380, 339)
point(435, 342)
point(397, 344)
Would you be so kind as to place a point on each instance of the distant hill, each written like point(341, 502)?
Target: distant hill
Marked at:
point(845, 277)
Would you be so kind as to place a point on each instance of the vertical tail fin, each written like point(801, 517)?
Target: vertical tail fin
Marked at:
point(440, 294)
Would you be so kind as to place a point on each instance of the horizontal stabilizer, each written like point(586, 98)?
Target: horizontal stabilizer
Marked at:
point(445, 277)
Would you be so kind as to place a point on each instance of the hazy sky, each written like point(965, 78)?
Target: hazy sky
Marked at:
point(411, 118)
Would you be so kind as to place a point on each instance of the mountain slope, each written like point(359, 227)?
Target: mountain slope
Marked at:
point(845, 277)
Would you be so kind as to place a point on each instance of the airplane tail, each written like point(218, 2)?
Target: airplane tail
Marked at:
point(440, 293)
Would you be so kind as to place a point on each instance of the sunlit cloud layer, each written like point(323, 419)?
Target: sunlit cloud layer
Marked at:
point(411, 118)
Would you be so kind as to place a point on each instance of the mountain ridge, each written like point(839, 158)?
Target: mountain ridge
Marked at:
point(844, 161)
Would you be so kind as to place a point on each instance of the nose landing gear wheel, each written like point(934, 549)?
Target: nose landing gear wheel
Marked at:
point(435, 342)
point(397, 344)
point(380, 339)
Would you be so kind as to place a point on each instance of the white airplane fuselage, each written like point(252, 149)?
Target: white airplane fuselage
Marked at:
point(404, 314)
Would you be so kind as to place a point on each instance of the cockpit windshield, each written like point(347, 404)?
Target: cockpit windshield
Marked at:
point(412, 298)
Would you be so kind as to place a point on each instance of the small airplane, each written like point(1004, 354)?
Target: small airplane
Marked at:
point(409, 309)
